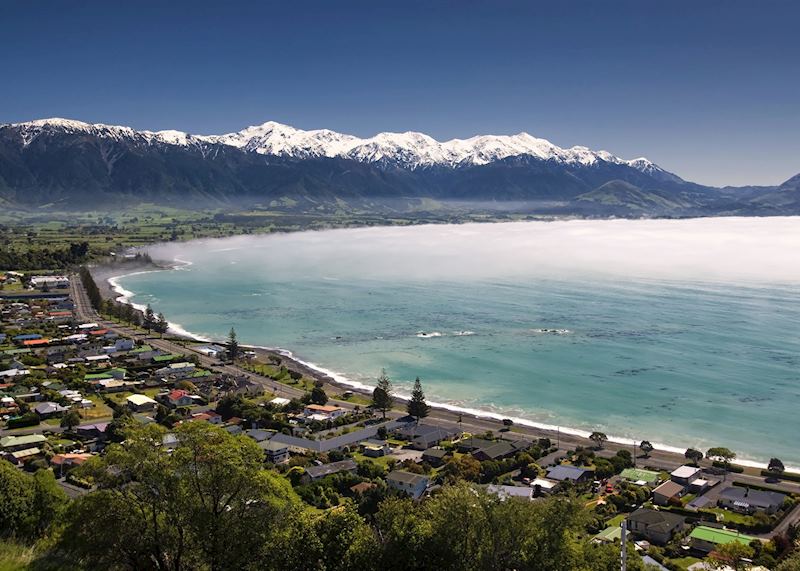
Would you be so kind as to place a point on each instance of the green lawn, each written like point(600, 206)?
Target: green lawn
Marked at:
point(382, 461)
point(685, 562)
point(730, 516)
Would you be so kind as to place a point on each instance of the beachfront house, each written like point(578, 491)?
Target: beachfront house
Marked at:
point(499, 450)
point(749, 501)
point(423, 436)
point(412, 484)
point(323, 412)
point(655, 526)
point(684, 475)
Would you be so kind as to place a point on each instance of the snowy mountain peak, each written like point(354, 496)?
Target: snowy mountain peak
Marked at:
point(409, 150)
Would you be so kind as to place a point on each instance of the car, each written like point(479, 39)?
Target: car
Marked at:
point(609, 488)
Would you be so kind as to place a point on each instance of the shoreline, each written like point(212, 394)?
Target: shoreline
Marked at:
point(111, 287)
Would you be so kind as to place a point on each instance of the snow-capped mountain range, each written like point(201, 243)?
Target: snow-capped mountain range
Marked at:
point(61, 163)
point(408, 150)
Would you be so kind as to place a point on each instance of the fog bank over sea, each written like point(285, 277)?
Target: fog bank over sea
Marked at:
point(682, 332)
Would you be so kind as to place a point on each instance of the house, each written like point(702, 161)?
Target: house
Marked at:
point(314, 473)
point(141, 403)
point(668, 493)
point(323, 412)
point(49, 281)
point(279, 401)
point(424, 436)
point(434, 456)
point(276, 452)
point(180, 370)
point(684, 475)
point(505, 492)
point(13, 443)
point(655, 526)
point(541, 486)
point(92, 431)
point(209, 416)
point(565, 472)
point(49, 409)
point(180, 397)
point(499, 450)
point(749, 501)
point(699, 485)
point(412, 484)
point(121, 345)
point(706, 539)
point(472, 443)
point(375, 448)
point(64, 462)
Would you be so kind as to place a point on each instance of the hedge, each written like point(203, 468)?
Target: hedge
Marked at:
point(27, 419)
point(732, 468)
point(781, 475)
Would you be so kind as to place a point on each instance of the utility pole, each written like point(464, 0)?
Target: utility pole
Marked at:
point(623, 550)
point(558, 437)
point(634, 454)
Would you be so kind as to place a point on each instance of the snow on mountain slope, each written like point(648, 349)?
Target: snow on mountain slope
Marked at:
point(408, 150)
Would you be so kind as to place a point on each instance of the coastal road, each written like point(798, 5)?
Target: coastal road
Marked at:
point(658, 459)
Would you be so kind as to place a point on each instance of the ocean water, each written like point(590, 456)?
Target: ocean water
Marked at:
point(684, 333)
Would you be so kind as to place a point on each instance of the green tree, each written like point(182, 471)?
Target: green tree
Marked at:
point(206, 505)
point(318, 395)
point(776, 465)
point(232, 345)
point(646, 448)
point(721, 453)
point(28, 504)
point(598, 438)
point(161, 325)
point(71, 419)
point(693, 455)
point(149, 321)
point(462, 468)
point(416, 406)
point(731, 556)
point(382, 398)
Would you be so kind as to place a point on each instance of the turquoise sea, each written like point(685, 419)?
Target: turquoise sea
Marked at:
point(645, 330)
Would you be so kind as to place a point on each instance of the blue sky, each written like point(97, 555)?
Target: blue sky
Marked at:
point(709, 90)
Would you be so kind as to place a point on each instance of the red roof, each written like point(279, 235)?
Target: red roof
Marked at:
point(60, 313)
point(175, 394)
point(31, 342)
point(98, 332)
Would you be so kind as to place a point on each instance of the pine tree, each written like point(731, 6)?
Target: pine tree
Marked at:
point(149, 321)
point(417, 407)
point(382, 398)
point(232, 345)
point(161, 324)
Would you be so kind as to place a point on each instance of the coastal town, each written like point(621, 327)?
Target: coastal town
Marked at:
point(74, 380)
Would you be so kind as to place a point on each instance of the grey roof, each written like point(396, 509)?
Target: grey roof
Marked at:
point(406, 477)
point(560, 473)
point(49, 408)
point(425, 431)
point(336, 442)
point(757, 498)
point(656, 520)
point(316, 472)
point(272, 446)
point(435, 453)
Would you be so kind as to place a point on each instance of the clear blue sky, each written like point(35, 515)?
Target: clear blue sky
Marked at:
point(708, 89)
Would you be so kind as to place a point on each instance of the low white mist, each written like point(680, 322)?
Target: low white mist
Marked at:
point(757, 250)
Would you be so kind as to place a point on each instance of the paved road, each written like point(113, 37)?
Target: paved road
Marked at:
point(658, 459)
